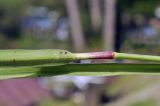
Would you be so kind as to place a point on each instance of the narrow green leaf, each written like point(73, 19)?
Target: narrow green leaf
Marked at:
point(80, 70)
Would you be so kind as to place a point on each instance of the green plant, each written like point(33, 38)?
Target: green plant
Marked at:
point(34, 63)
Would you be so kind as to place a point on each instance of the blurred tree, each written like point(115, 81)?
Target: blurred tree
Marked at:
point(109, 24)
point(75, 24)
point(96, 16)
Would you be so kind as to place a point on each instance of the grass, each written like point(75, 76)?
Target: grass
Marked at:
point(81, 70)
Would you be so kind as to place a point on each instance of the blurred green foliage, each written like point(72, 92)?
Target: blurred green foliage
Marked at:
point(144, 103)
point(139, 6)
point(56, 102)
point(15, 10)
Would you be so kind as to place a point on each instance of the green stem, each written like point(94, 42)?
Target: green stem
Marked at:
point(16, 58)
point(137, 57)
point(52, 57)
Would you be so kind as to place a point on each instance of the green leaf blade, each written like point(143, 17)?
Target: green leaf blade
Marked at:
point(80, 70)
